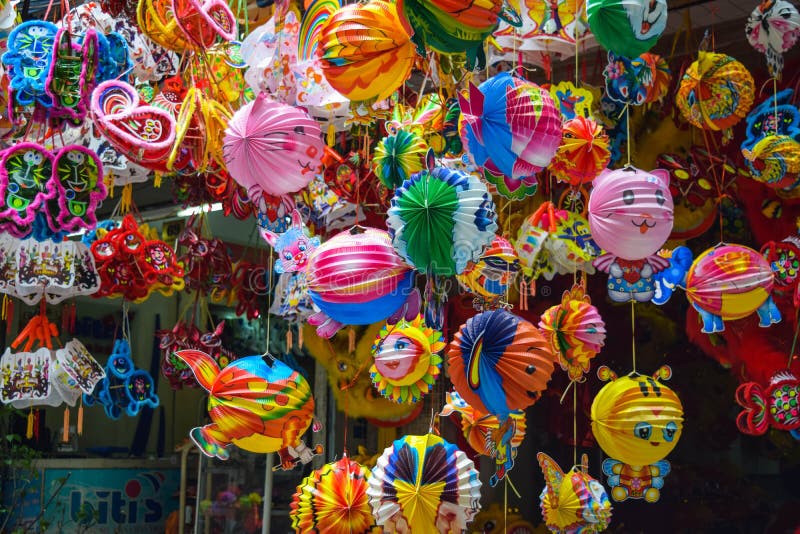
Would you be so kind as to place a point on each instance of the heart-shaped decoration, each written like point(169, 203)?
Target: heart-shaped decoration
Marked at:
point(158, 22)
point(145, 134)
point(78, 181)
point(753, 419)
point(26, 170)
point(202, 22)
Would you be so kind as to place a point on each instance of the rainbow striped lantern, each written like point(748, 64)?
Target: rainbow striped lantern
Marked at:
point(356, 277)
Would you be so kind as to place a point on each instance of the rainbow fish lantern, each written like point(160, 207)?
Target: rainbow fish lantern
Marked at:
point(573, 502)
point(407, 360)
point(637, 421)
point(776, 406)
point(512, 129)
point(726, 282)
point(257, 403)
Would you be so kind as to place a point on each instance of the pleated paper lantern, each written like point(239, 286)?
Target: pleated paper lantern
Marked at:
point(333, 499)
point(424, 484)
point(637, 419)
point(716, 92)
point(499, 362)
point(583, 153)
point(398, 156)
point(627, 27)
point(631, 212)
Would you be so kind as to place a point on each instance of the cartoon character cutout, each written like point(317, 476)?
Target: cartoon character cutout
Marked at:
point(294, 246)
point(635, 482)
point(79, 187)
point(25, 173)
point(572, 501)
point(631, 214)
point(648, 18)
point(30, 49)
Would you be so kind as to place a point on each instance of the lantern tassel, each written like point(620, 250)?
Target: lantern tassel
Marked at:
point(300, 336)
point(157, 180)
point(523, 295)
point(29, 429)
point(80, 418)
point(289, 339)
point(351, 337)
point(9, 309)
point(65, 434)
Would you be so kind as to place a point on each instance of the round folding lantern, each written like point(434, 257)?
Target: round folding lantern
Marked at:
point(716, 92)
point(583, 154)
point(356, 277)
point(631, 212)
point(499, 362)
point(398, 156)
point(637, 419)
point(627, 27)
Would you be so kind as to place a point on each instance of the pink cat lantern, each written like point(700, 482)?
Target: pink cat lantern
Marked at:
point(631, 212)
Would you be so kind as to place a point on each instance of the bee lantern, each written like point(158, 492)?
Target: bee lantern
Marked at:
point(637, 421)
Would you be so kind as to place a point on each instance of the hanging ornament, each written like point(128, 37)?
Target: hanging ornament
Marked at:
point(422, 483)
point(775, 406)
point(572, 502)
point(772, 29)
point(627, 27)
point(490, 277)
point(583, 153)
point(407, 360)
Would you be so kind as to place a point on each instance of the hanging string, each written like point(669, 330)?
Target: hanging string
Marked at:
point(794, 341)
point(633, 333)
point(271, 259)
point(505, 506)
point(628, 130)
point(575, 425)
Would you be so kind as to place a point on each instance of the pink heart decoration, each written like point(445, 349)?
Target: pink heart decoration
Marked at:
point(144, 134)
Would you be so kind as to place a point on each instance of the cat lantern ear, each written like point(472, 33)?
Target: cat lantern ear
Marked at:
point(297, 220)
point(269, 237)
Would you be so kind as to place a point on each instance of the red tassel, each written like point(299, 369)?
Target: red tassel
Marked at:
point(523, 295)
point(351, 337)
point(9, 315)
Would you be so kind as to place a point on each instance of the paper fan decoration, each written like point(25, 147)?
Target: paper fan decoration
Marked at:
point(398, 156)
point(407, 360)
point(486, 435)
point(716, 92)
point(772, 29)
point(440, 220)
point(575, 330)
point(333, 499)
point(572, 502)
point(272, 147)
point(583, 153)
point(499, 362)
point(424, 484)
point(365, 51)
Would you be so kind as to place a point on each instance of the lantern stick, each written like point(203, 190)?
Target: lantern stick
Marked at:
point(633, 333)
point(271, 259)
point(794, 341)
point(505, 506)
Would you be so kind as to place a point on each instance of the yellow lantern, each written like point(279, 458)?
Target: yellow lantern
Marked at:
point(637, 419)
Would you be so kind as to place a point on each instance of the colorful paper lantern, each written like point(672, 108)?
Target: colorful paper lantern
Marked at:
point(726, 282)
point(365, 50)
point(716, 92)
point(333, 499)
point(269, 418)
point(440, 220)
point(774, 161)
point(356, 277)
point(637, 419)
point(407, 360)
point(512, 129)
point(575, 330)
point(777, 405)
point(583, 153)
point(490, 277)
point(627, 27)
point(486, 435)
point(631, 212)
point(272, 148)
point(772, 29)
point(572, 502)
point(424, 483)
point(398, 156)
point(499, 363)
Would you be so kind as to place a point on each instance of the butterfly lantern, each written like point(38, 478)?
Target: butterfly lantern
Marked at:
point(573, 501)
point(637, 420)
point(772, 29)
